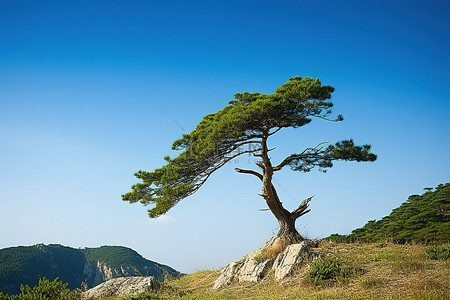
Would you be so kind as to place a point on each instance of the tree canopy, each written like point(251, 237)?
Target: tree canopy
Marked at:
point(243, 127)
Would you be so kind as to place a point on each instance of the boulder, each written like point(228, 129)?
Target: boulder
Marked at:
point(293, 257)
point(255, 266)
point(251, 268)
point(122, 286)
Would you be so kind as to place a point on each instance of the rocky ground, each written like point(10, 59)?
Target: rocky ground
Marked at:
point(122, 286)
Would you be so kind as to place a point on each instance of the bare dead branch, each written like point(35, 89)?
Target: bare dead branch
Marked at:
point(300, 210)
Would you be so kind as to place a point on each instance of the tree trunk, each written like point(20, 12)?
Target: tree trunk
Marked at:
point(288, 232)
point(286, 236)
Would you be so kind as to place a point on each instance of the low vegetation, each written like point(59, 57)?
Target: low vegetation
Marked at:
point(330, 271)
point(438, 252)
point(44, 290)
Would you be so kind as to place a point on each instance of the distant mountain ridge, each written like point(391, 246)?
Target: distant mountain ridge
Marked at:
point(91, 266)
point(422, 218)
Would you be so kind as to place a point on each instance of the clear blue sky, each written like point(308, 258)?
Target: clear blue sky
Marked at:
point(92, 91)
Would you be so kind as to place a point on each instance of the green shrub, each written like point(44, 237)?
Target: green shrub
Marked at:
point(438, 252)
point(330, 271)
point(45, 290)
point(338, 238)
point(260, 258)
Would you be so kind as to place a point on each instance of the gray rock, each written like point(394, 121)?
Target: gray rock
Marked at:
point(253, 270)
point(96, 272)
point(228, 274)
point(122, 286)
point(249, 269)
point(293, 257)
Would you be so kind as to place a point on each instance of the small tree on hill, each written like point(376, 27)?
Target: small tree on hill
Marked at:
point(243, 127)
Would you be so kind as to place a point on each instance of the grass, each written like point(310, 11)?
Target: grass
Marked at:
point(368, 270)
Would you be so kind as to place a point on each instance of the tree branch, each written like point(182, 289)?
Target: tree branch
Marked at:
point(304, 153)
point(215, 168)
point(247, 142)
point(301, 209)
point(260, 165)
point(303, 213)
point(275, 131)
point(228, 158)
point(338, 118)
point(244, 171)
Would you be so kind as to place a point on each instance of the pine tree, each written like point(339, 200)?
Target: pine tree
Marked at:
point(244, 127)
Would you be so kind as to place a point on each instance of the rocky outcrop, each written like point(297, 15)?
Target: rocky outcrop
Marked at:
point(256, 266)
point(250, 268)
point(96, 272)
point(293, 257)
point(122, 286)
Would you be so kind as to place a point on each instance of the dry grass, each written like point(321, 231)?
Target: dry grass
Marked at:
point(275, 248)
point(390, 272)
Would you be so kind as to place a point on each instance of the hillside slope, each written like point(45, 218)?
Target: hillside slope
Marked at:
point(26, 264)
point(381, 271)
point(422, 218)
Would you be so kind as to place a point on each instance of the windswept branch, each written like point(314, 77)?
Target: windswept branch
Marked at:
point(275, 131)
point(337, 119)
point(307, 153)
point(228, 158)
point(323, 158)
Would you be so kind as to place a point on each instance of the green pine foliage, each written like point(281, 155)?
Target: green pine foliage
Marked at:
point(242, 127)
point(423, 218)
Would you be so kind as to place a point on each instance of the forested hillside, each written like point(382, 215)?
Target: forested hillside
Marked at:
point(422, 218)
point(26, 264)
